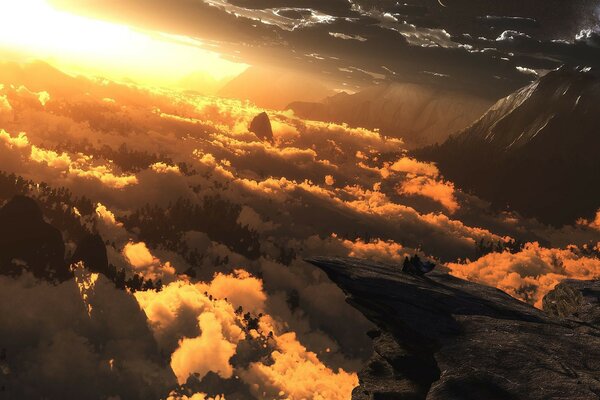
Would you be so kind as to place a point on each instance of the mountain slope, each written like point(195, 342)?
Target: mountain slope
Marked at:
point(418, 114)
point(535, 150)
point(274, 88)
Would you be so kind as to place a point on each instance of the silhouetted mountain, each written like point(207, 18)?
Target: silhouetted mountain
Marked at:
point(418, 114)
point(28, 242)
point(440, 337)
point(274, 88)
point(91, 250)
point(261, 127)
point(535, 150)
point(39, 76)
point(203, 83)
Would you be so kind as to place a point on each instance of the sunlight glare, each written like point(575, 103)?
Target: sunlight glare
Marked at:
point(35, 29)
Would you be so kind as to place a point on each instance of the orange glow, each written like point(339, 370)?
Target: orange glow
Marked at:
point(34, 29)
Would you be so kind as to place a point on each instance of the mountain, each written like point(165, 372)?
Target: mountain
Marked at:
point(535, 150)
point(440, 337)
point(28, 242)
point(420, 115)
point(39, 76)
point(274, 87)
point(203, 83)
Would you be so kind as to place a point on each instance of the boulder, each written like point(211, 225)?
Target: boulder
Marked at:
point(261, 127)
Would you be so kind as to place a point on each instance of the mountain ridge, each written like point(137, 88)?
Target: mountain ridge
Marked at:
point(418, 114)
point(534, 151)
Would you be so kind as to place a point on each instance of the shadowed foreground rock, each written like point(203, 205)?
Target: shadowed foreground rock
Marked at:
point(441, 337)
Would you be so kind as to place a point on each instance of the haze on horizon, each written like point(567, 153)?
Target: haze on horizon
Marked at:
point(92, 46)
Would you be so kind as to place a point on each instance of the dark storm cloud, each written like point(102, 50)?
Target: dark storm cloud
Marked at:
point(483, 47)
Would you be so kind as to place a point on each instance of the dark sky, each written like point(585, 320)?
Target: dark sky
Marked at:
point(486, 47)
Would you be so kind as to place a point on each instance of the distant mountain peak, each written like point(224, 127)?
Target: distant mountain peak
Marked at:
point(535, 150)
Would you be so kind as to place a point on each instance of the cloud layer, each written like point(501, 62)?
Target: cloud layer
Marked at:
point(184, 194)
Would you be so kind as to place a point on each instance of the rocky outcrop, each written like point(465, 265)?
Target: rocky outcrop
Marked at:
point(28, 242)
point(261, 127)
point(576, 300)
point(440, 337)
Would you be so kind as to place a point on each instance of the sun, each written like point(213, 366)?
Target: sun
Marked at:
point(37, 30)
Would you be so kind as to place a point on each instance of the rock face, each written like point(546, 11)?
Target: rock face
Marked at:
point(27, 241)
point(578, 300)
point(535, 150)
point(441, 337)
point(261, 127)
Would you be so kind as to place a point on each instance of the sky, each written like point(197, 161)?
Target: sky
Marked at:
point(34, 29)
point(486, 47)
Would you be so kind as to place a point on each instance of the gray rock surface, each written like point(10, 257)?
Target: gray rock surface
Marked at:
point(440, 337)
point(576, 300)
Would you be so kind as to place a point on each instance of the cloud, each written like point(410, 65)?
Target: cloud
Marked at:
point(203, 332)
point(319, 189)
point(208, 352)
point(386, 251)
point(195, 396)
point(109, 227)
point(101, 173)
point(55, 348)
point(19, 142)
point(139, 257)
point(240, 289)
point(531, 273)
point(456, 43)
point(42, 97)
point(412, 166)
point(163, 168)
point(297, 374)
point(173, 312)
point(589, 37)
point(594, 224)
point(442, 192)
point(59, 163)
point(5, 107)
point(51, 158)
point(251, 219)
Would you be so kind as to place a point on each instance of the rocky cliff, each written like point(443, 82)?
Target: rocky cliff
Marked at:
point(441, 337)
